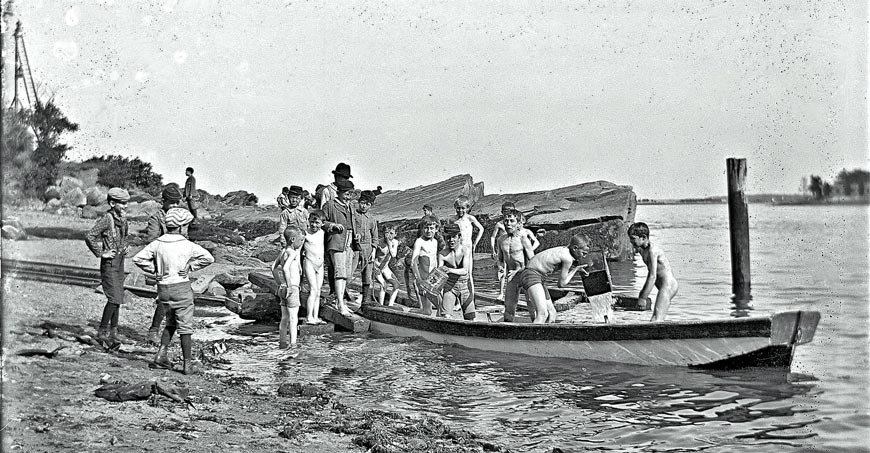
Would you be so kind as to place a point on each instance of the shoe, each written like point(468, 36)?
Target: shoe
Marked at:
point(188, 368)
point(283, 345)
point(103, 335)
point(154, 335)
point(161, 360)
point(116, 337)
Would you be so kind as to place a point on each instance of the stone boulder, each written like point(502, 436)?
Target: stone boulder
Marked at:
point(239, 198)
point(94, 212)
point(230, 281)
point(215, 289)
point(74, 197)
point(201, 284)
point(68, 183)
point(408, 204)
point(13, 233)
point(51, 193)
point(141, 211)
point(260, 307)
point(96, 195)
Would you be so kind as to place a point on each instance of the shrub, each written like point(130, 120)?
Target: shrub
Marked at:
point(119, 171)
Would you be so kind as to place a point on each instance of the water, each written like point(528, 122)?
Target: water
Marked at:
point(803, 257)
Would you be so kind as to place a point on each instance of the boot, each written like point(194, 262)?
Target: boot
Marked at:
point(188, 368)
point(103, 335)
point(367, 295)
point(161, 360)
point(154, 335)
point(116, 337)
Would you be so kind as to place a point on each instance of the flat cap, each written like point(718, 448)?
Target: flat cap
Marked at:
point(118, 194)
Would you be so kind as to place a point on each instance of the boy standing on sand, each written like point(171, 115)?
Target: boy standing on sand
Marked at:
point(531, 279)
point(423, 260)
point(467, 223)
point(659, 271)
point(366, 236)
point(172, 258)
point(107, 240)
point(455, 260)
point(500, 229)
point(287, 270)
point(312, 264)
point(157, 227)
point(339, 227)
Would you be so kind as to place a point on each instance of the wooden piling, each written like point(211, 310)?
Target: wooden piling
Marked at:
point(738, 221)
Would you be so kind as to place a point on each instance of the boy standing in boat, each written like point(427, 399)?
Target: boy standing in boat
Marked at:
point(423, 261)
point(659, 271)
point(107, 240)
point(500, 229)
point(172, 257)
point(514, 250)
point(467, 223)
point(531, 279)
point(312, 264)
point(455, 260)
point(388, 253)
point(287, 270)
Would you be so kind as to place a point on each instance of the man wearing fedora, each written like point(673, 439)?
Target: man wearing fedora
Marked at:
point(339, 226)
point(293, 214)
point(327, 193)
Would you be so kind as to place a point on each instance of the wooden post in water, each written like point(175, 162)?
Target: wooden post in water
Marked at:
point(738, 221)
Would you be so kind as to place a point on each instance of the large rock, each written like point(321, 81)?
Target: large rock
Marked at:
point(94, 212)
point(96, 195)
point(74, 197)
point(257, 306)
point(68, 183)
point(141, 211)
point(13, 233)
point(215, 289)
point(408, 204)
point(230, 281)
point(51, 193)
point(240, 198)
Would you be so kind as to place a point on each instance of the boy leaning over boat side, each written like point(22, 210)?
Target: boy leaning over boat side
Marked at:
point(531, 279)
point(659, 272)
point(455, 261)
point(287, 271)
point(107, 240)
point(172, 258)
point(423, 261)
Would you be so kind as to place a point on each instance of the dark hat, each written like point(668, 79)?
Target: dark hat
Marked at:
point(342, 169)
point(428, 206)
point(171, 194)
point(344, 185)
point(451, 229)
point(295, 190)
point(367, 195)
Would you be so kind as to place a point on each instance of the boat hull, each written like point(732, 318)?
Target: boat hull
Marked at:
point(730, 343)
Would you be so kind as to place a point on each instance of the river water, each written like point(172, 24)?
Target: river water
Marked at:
point(803, 257)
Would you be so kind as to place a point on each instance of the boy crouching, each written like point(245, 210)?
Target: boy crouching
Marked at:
point(172, 257)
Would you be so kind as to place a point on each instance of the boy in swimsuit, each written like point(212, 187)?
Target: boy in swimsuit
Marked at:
point(423, 260)
point(388, 252)
point(467, 223)
point(514, 250)
point(456, 262)
point(312, 264)
point(660, 273)
point(287, 270)
point(565, 259)
point(497, 231)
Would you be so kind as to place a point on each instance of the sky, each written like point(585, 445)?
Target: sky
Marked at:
point(522, 95)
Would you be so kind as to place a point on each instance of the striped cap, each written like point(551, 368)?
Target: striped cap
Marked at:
point(178, 217)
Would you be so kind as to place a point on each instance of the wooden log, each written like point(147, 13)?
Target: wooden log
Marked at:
point(351, 322)
point(263, 280)
point(738, 226)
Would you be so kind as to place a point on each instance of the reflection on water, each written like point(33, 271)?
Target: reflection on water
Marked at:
point(536, 404)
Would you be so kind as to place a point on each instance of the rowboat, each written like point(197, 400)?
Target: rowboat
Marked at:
point(717, 344)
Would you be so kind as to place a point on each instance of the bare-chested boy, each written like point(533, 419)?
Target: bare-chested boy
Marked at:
point(514, 250)
point(387, 254)
point(423, 261)
point(497, 231)
point(660, 273)
point(565, 259)
point(312, 264)
point(455, 261)
point(467, 223)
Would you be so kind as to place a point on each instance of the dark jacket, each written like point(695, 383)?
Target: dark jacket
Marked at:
point(367, 228)
point(105, 235)
point(337, 213)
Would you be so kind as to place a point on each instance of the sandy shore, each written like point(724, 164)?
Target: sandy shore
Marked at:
point(49, 403)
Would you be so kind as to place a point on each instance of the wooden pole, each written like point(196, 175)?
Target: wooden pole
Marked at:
point(738, 221)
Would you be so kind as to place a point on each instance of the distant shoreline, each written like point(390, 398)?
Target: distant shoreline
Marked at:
point(778, 200)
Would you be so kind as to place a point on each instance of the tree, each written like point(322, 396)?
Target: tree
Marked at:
point(119, 171)
point(816, 185)
point(847, 179)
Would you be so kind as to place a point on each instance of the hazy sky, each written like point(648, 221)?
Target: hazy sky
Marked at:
point(522, 95)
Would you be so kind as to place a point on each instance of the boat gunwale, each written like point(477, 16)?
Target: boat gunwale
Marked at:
point(671, 330)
